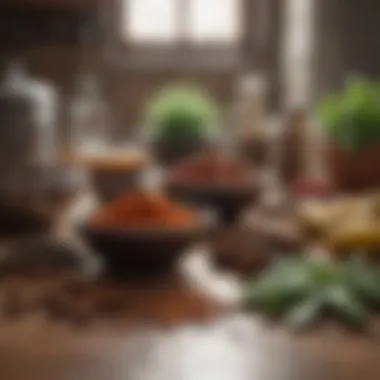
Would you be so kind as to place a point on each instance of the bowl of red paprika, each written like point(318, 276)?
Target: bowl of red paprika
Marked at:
point(143, 232)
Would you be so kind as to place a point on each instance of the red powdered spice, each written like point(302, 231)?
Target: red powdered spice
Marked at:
point(212, 169)
point(144, 210)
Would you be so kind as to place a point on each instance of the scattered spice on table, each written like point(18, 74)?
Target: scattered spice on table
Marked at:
point(166, 302)
point(212, 168)
point(62, 293)
point(144, 210)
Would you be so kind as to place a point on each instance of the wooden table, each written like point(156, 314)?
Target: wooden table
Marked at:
point(232, 346)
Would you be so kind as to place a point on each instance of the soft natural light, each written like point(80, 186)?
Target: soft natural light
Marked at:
point(213, 20)
point(158, 21)
point(150, 20)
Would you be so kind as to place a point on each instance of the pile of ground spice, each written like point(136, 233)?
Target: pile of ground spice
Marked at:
point(40, 276)
point(212, 169)
point(144, 210)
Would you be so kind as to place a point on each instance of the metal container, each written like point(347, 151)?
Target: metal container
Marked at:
point(28, 146)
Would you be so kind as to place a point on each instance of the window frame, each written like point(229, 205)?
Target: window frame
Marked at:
point(182, 55)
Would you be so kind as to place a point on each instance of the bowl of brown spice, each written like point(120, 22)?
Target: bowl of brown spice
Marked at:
point(219, 181)
point(143, 231)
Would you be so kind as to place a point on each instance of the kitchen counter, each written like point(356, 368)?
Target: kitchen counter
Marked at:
point(228, 345)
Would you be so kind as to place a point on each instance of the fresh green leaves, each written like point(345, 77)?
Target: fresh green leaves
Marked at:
point(304, 313)
point(182, 111)
point(342, 302)
point(352, 117)
point(363, 281)
point(301, 290)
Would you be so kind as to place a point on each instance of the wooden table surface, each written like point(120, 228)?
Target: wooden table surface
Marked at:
point(236, 347)
point(233, 345)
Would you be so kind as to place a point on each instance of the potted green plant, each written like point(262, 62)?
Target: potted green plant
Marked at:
point(351, 120)
point(182, 119)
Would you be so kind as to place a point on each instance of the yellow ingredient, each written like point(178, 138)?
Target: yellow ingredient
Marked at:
point(344, 224)
point(354, 235)
point(318, 217)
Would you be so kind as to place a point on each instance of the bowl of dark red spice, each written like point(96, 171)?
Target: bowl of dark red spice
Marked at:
point(220, 181)
point(143, 231)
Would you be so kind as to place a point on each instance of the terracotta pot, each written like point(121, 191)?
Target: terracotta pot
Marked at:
point(354, 170)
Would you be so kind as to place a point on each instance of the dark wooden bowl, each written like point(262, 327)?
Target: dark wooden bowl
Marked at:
point(227, 201)
point(136, 250)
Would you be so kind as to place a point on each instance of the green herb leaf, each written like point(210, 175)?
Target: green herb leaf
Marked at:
point(362, 280)
point(323, 272)
point(301, 288)
point(344, 304)
point(303, 314)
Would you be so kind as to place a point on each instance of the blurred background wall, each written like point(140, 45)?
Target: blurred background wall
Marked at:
point(347, 41)
point(61, 39)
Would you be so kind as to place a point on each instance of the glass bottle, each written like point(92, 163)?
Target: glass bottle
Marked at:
point(89, 116)
point(250, 116)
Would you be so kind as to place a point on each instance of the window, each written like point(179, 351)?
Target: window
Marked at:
point(181, 22)
point(170, 34)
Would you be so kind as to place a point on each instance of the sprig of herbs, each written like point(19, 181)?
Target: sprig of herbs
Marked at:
point(300, 290)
